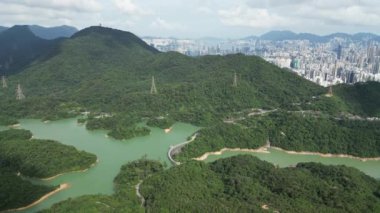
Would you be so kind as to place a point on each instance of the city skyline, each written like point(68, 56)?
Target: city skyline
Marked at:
point(195, 19)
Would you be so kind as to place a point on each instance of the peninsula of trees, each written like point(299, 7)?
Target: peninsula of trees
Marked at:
point(21, 155)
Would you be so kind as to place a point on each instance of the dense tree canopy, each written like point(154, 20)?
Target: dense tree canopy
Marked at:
point(295, 131)
point(238, 184)
point(40, 158)
point(326, 135)
point(224, 136)
point(35, 158)
point(246, 184)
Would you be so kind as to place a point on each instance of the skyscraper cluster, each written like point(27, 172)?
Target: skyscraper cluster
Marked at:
point(328, 62)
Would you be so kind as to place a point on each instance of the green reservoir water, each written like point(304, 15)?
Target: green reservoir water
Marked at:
point(283, 159)
point(112, 154)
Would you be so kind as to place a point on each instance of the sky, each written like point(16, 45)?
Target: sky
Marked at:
point(199, 18)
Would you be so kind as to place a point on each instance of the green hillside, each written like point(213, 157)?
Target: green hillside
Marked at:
point(358, 99)
point(40, 158)
point(16, 192)
point(108, 70)
point(362, 98)
point(295, 131)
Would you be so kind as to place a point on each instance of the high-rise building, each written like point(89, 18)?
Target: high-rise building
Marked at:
point(339, 52)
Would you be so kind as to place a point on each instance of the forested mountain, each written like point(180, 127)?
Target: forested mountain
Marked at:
point(109, 73)
point(109, 70)
point(289, 35)
point(53, 32)
point(358, 99)
point(3, 29)
point(20, 48)
point(361, 97)
point(105, 70)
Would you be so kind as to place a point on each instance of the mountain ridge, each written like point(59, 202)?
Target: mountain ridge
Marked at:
point(51, 33)
point(20, 47)
point(115, 75)
point(107, 70)
point(123, 36)
point(3, 29)
point(279, 35)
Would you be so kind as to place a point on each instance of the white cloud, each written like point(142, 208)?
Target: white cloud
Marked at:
point(205, 10)
point(350, 15)
point(160, 23)
point(17, 13)
point(75, 5)
point(251, 17)
point(303, 15)
point(130, 8)
point(197, 18)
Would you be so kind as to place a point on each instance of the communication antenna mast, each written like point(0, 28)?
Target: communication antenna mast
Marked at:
point(235, 81)
point(5, 85)
point(19, 94)
point(153, 89)
point(330, 92)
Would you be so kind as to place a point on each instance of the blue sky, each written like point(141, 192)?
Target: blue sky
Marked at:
point(199, 18)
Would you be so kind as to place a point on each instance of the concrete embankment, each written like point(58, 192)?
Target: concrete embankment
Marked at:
point(173, 150)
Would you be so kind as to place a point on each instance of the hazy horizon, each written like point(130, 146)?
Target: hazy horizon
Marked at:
point(203, 37)
point(196, 18)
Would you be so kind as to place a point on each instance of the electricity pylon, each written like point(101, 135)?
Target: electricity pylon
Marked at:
point(235, 84)
point(19, 94)
point(5, 85)
point(153, 89)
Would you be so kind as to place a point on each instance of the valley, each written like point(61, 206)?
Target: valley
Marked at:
point(104, 94)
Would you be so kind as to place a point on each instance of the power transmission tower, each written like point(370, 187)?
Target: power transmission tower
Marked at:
point(19, 94)
point(5, 85)
point(153, 89)
point(235, 81)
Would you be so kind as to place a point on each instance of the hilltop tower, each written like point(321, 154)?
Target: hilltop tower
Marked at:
point(330, 92)
point(153, 89)
point(235, 81)
point(5, 85)
point(19, 94)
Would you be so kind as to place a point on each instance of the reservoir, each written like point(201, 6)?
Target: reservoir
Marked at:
point(283, 159)
point(112, 154)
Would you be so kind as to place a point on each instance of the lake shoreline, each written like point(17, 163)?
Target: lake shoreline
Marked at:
point(43, 198)
point(264, 149)
point(83, 170)
point(168, 130)
point(327, 155)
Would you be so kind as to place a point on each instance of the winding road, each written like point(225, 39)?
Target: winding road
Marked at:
point(177, 149)
point(138, 194)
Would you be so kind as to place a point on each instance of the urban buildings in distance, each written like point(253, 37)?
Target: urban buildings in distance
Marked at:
point(326, 60)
